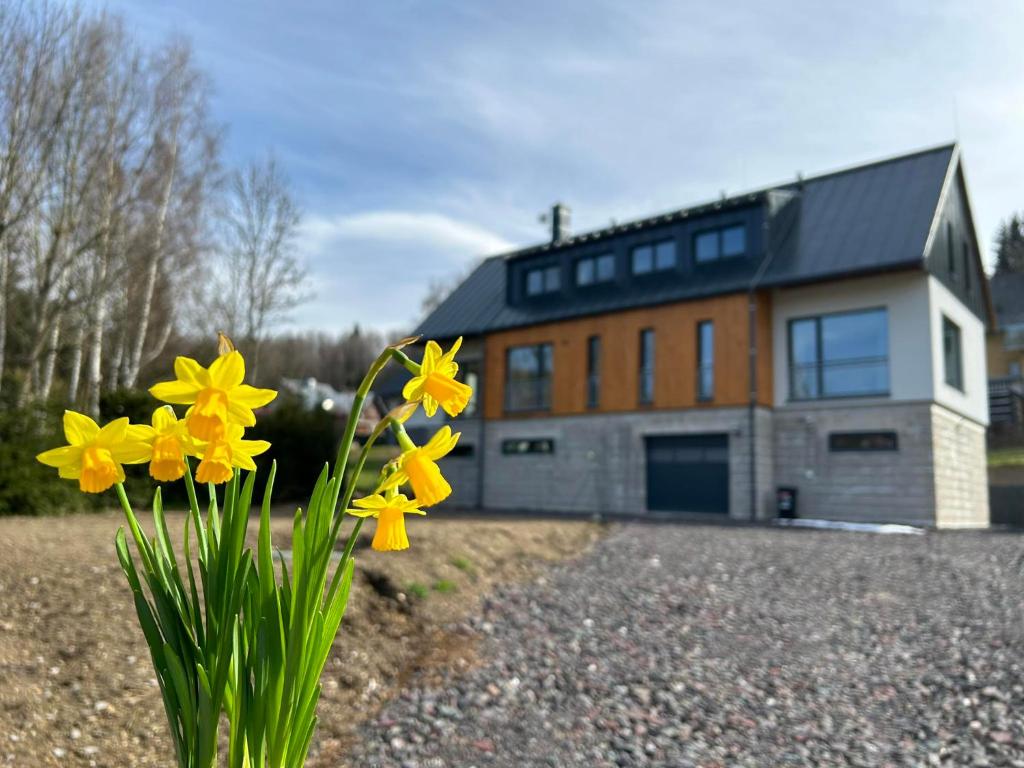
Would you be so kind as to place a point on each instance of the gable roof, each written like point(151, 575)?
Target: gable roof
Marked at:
point(869, 218)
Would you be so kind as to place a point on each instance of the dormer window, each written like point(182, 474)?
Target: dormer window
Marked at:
point(541, 280)
point(595, 269)
point(654, 257)
point(721, 243)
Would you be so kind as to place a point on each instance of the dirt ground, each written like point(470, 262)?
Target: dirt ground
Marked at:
point(76, 684)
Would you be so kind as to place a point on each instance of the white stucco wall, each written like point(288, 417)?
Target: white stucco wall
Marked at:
point(916, 303)
point(973, 401)
point(906, 297)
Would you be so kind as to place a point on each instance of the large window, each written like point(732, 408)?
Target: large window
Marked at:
point(528, 378)
point(593, 371)
point(541, 280)
point(647, 366)
point(840, 355)
point(653, 257)
point(951, 354)
point(721, 243)
point(595, 269)
point(705, 360)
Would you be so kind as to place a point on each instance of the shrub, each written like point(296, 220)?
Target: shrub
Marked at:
point(302, 441)
point(26, 486)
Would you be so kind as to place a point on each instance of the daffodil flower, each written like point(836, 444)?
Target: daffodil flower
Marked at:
point(171, 443)
point(94, 456)
point(221, 456)
point(218, 395)
point(390, 509)
point(436, 385)
point(418, 467)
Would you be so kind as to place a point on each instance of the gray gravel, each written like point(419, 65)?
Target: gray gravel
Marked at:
point(716, 646)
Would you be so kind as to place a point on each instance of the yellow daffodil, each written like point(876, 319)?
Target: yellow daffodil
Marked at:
point(218, 393)
point(171, 443)
point(436, 385)
point(219, 457)
point(390, 509)
point(418, 467)
point(93, 455)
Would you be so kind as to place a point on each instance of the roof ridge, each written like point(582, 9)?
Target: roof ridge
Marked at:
point(740, 197)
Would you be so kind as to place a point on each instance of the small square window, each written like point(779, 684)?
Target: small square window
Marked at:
point(534, 282)
point(665, 255)
point(605, 268)
point(584, 272)
point(705, 246)
point(643, 260)
point(552, 279)
point(734, 240)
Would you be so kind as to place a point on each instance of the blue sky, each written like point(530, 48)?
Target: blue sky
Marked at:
point(422, 135)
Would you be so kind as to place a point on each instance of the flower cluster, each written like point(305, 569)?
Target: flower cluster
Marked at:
point(434, 385)
point(212, 430)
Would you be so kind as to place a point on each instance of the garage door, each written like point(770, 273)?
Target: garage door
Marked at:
point(688, 473)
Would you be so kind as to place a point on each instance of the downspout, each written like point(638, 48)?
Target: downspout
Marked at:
point(752, 356)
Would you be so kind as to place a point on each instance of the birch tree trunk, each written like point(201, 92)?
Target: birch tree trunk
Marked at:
point(75, 369)
point(50, 363)
point(5, 271)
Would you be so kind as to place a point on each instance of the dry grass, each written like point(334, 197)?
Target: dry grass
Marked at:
point(77, 686)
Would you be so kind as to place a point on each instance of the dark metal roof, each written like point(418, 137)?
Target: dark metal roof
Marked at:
point(1008, 297)
point(869, 218)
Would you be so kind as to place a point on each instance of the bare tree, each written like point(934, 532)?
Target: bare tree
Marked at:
point(259, 278)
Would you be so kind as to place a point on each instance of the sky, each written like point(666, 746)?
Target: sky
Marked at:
point(421, 136)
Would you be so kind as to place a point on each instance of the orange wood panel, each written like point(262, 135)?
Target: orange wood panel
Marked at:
point(675, 369)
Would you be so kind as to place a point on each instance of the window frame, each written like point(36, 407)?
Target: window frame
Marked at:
point(702, 395)
point(719, 233)
point(646, 368)
point(594, 261)
point(820, 361)
point(958, 383)
point(540, 376)
point(653, 246)
point(545, 271)
point(593, 380)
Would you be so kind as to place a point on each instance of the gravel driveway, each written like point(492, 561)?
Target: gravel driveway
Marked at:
point(717, 646)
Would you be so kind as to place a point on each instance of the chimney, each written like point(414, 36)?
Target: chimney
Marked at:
point(561, 216)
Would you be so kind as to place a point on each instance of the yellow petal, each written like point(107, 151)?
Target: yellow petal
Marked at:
point(79, 428)
point(252, 397)
point(65, 456)
point(243, 461)
point(140, 433)
point(413, 389)
point(393, 480)
point(227, 371)
point(164, 419)
point(71, 472)
point(431, 355)
point(430, 406)
point(374, 501)
point(189, 371)
point(114, 432)
point(448, 356)
point(251, 447)
point(441, 443)
point(132, 453)
point(361, 512)
point(177, 392)
point(240, 414)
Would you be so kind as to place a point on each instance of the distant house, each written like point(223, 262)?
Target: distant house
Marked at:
point(315, 394)
point(1006, 351)
point(825, 335)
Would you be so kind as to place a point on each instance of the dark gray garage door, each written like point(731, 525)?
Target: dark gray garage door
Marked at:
point(688, 473)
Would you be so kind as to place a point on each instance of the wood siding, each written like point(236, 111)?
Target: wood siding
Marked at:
point(675, 368)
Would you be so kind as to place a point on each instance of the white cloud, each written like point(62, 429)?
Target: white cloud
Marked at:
point(431, 231)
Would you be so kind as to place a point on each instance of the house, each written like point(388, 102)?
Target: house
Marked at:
point(825, 335)
point(1006, 352)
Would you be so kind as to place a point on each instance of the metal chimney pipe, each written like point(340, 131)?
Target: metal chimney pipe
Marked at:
point(561, 217)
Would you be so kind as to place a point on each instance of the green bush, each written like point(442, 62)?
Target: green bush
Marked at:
point(301, 440)
point(26, 486)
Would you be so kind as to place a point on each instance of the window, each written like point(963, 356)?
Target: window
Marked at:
point(593, 371)
point(469, 373)
point(722, 243)
point(647, 366)
point(528, 378)
point(842, 442)
point(705, 360)
point(595, 269)
point(840, 355)
point(950, 260)
point(541, 280)
point(533, 445)
point(1013, 336)
point(951, 353)
point(967, 266)
point(1015, 369)
point(654, 257)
